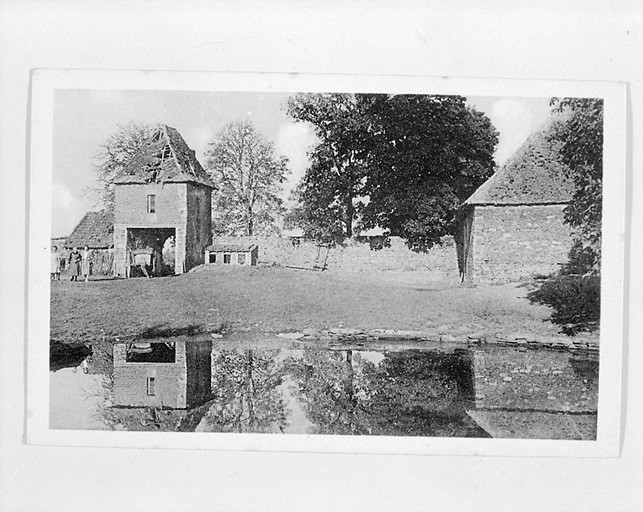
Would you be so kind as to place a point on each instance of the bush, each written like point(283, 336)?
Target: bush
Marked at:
point(582, 260)
point(576, 301)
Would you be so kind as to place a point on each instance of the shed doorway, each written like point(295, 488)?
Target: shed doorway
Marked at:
point(150, 252)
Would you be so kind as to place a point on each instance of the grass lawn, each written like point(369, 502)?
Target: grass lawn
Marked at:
point(273, 300)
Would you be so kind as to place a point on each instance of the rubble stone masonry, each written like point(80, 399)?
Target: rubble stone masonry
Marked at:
point(513, 243)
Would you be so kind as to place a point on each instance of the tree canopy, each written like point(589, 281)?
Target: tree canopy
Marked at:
point(112, 156)
point(404, 163)
point(249, 177)
point(581, 150)
point(335, 177)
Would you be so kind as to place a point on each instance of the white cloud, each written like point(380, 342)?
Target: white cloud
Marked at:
point(198, 138)
point(293, 141)
point(513, 119)
point(67, 209)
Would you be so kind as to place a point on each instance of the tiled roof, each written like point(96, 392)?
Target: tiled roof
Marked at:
point(164, 158)
point(96, 230)
point(532, 175)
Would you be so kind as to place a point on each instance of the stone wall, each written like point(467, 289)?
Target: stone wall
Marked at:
point(199, 224)
point(514, 243)
point(199, 372)
point(535, 379)
point(355, 255)
point(185, 207)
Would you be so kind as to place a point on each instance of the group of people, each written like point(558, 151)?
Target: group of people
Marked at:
point(78, 263)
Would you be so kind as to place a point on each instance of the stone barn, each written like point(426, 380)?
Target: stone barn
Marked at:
point(163, 201)
point(170, 375)
point(512, 227)
point(96, 231)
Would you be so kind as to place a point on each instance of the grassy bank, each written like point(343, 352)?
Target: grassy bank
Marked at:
point(272, 300)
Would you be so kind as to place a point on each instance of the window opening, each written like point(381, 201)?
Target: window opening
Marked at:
point(226, 258)
point(151, 386)
point(241, 258)
point(151, 203)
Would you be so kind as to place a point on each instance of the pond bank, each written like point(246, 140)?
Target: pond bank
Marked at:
point(251, 301)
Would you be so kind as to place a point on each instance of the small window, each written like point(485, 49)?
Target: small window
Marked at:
point(213, 257)
point(241, 258)
point(151, 386)
point(151, 203)
point(226, 258)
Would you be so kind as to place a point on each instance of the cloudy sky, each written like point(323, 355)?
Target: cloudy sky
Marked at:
point(83, 119)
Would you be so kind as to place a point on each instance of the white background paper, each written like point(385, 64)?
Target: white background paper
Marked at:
point(552, 40)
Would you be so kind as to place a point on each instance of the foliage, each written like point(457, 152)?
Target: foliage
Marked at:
point(112, 156)
point(430, 154)
point(245, 392)
point(335, 178)
point(407, 393)
point(248, 176)
point(334, 394)
point(574, 294)
point(576, 301)
point(401, 162)
point(581, 260)
point(580, 136)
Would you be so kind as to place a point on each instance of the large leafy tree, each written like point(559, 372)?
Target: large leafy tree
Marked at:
point(579, 136)
point(406, 161)
point(112, 156)
point(249, 178)
point(335, 179)
point(429, 154)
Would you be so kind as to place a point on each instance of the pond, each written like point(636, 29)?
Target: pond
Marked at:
point(299, 388)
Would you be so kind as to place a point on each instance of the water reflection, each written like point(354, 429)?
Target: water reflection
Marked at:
point(184, 385)
point(246, 394)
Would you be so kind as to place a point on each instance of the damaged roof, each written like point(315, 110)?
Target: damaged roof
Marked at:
point(95, 230)
point(164, 158)
point(532, 175)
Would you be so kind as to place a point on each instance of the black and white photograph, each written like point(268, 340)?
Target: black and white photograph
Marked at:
point(326, 256)
point(399, 264)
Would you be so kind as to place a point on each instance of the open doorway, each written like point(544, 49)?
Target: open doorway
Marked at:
point(151, 252)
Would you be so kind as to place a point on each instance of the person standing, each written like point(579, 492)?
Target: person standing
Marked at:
point(86, 263)
point(75, 259)
point(56, 259)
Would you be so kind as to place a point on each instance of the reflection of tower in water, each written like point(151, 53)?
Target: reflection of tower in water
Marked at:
point(162, 374)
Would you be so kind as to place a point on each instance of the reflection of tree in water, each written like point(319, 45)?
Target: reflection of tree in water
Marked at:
point(408, 393)
point(101, 362)
point(334, 392)
point(245, 392)
point(424, 394)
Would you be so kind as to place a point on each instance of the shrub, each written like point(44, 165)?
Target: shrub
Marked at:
point(576, 301)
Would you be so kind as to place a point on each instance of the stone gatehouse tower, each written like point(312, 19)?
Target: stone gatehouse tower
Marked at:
point(165, 374)
point(163, 193)
point(512, 227)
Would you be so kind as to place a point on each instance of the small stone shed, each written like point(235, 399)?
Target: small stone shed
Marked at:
point(512, 227)
point(163, 194)
point(163, 374)
point(231, 254)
